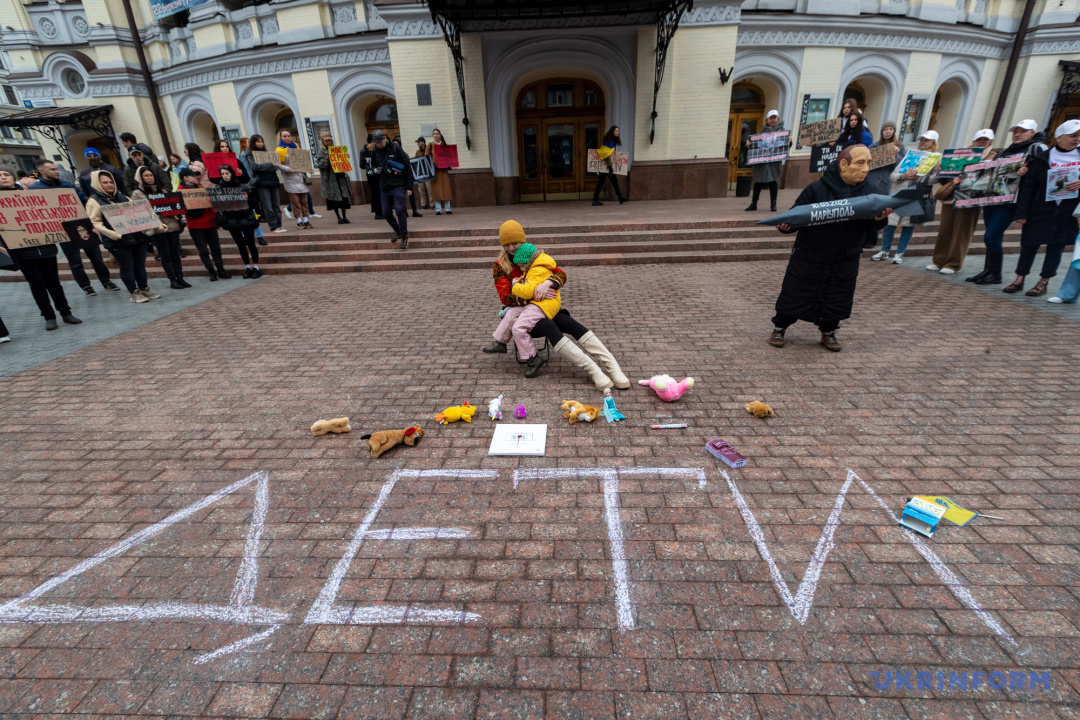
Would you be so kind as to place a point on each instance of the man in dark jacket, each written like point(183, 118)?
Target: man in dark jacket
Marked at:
point(819, 284)
point(96, 163)
point(50, 179)
point(138, 160)
point(128, 140)
point(392, 166)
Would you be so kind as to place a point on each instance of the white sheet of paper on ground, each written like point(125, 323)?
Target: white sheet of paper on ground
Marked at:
point(518, 440)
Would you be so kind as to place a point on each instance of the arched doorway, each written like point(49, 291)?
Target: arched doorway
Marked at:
point(870, 94)
point(944, 113)
point(744, 119)
point(205, 131)
point(558, 121)
point(382, 115)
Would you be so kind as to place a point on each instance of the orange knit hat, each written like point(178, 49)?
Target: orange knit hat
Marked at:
point(511, 232)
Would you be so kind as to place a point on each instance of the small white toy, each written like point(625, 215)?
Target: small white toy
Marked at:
point(495, 408)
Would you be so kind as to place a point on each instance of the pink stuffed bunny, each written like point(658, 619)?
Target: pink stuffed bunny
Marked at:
point(666, 388)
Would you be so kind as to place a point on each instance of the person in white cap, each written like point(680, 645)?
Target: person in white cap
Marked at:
point(768, 174)
point(1026, 141)
point(1048, 219)
point(928, 142)
point(957, 224)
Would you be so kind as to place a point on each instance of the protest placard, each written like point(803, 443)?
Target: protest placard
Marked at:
point(617, 162)
point(131, 217)
point(228, 199)
point(35, 217)
point(423, 168)
point(213, 161)
point(167, 204)
point(339, 158)
point(953, 161)
point(883, 155)
point(196, 199)
point(994, 182)
point(262, 157)
point(445, 156)
point(819, 132)
point(921, 161)
point(1057, 180)
point(299, 160)
point(821, 156)
point(81, 233)
point(768, 147)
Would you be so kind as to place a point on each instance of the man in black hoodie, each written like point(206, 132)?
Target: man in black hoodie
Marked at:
point(394, 170)
point(819, 285)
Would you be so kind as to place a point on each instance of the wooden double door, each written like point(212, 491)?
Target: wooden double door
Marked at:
point(552, 155)
point(741, 125)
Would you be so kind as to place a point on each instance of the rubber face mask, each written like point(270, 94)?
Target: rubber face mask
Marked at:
point(855, 170)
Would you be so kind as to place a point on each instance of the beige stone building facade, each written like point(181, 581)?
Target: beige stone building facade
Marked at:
point(538, 84)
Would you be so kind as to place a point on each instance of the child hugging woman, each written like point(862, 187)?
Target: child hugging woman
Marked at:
point(536, 267)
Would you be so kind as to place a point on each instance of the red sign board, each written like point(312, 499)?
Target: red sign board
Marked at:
point(445, 156)
point(213, 161)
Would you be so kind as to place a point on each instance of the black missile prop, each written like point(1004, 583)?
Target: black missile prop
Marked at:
point(904, 202)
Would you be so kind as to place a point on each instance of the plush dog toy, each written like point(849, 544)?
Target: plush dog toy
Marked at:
point(465, 411)
point(576, 412)
point(759, 409)
point(338, 425)
point(380, 442)
point(666, 388)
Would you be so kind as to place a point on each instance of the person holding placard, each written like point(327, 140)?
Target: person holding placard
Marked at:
point(440, 186)
point(38, 265)
point(241, 224)
point(202, 227)
point(166, 239)
point(264, 178)
point(367, 158)
point(128, 249)
point(878, 178)
point(1047, 220)
point(855, 132)
point(928, 142)
point(765, 174)
point(295, 186)
point(605, 152)
point(335, 187)
point(423, 188)
point(957, 225)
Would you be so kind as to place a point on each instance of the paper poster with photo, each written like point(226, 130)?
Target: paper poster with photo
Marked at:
point(196, 198)
point(994, 182)
point(81, 233)
point(921, 161)
point(1058, 178)
point(264, 157)
point(883, 156)
point(133, 216)
point(228, 199)
point(821, 156)
point(445, 155)
point(768, 147)
point(954, 161)
point(213, 161)
point(824, 131)
point(33, 218)
point(167, 204)
point(299, 160)
point(339, 158)
point(423, 168)
point(618, 162)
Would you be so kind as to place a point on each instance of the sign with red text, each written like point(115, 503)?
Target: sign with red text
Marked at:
point(617, 162)
point(339, 159)
point(167, 204)
point(131, 217)
point(35, 217)
point(196, 198)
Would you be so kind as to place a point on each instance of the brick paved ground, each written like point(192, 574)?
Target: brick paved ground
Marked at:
point(940, 390)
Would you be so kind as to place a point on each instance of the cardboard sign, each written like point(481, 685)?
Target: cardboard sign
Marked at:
point(262, 157)
point(167, 204)
point(819, 132)
point(921, 161)
point(822, 156)
point(32, 218)
point(131, 217)
point(339, 159)
point(81, 233)
point(423, 169)
point(445, 156)
point(618, 162)
point(196, 199)
point(213, 161)
point(768, 147)
point(954, 161)
point(299, 160)
point(883, 156)
point(228, 199)
point(993, 182)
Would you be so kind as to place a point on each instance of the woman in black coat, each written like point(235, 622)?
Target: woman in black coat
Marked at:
point(1044, 222)
point(265, 180)
point(367, 161)
point(241, 224)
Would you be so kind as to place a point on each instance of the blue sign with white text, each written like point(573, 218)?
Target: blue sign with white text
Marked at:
point(165, 8)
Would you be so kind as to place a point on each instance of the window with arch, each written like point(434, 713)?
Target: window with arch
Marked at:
point(382, 115)
point(560, 96)
point(73, 81)
point(745, 93)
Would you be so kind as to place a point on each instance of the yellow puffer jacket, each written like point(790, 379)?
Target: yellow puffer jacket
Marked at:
point(540, 269)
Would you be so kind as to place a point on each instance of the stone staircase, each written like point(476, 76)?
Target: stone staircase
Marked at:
point(367, 248)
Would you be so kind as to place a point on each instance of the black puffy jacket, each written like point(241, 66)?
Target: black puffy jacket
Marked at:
point(1047, 223)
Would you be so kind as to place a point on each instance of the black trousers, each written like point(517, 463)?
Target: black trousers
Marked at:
point(553, 329)
point(167, 247)
point(132, 259)
point(207, 243)
point(375, 193)
point(784, 321)
point(44, 281)
point(773, 188)
point(78, 272)
point(271, 206)
point(1050, 263)
point(600, 185)
point(3, 329)
point(245, 243)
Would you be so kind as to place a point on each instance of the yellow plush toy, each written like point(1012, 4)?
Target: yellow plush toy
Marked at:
point(576, 412)
point(338, 425)
point(452, 414)
point(759, 409)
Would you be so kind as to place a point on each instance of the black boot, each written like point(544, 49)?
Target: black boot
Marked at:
point(752, 206)
point(993, 269)
point(175, 284)
point(535, 363)
point(772, 206)
point(979, 276)
point(223, 273)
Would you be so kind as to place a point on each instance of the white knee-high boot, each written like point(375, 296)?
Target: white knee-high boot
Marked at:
point(592, 345)
point(568, 350)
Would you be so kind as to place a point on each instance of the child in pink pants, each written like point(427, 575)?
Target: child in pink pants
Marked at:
point(518, 322)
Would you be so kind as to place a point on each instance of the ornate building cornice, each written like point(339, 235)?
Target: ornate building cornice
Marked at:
point(712, 14)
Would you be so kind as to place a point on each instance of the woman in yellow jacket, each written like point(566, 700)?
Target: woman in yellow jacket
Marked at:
point(536, 267)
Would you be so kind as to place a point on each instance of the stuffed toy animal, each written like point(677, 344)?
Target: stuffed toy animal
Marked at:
point(759, 409)
point(465, 411)
point(666, 388)
point(338, 425)
point(576, 412)
point(495, 408)
point(380, 442)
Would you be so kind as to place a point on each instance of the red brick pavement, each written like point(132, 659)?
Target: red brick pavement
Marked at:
point(938, 391)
